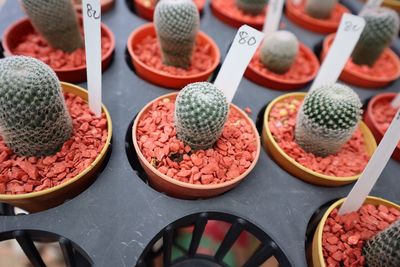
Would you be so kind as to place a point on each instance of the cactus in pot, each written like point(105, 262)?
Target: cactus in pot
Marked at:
point(382, 26)
point(201, 111)
point(56, 21)
point(253, 7)
point(177, 24)
point(279, 51)
point(320, 9)
point(327, 119)
point(34, 120)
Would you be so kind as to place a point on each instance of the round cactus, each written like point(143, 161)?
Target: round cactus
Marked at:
point(177, 24)
point(201, 111)
point(320, 9)
point(253, 7)
point(384, 248)
point(279, 50)
point(56, 21)
point(327, 119)
point(34, 120)
point(382, 26)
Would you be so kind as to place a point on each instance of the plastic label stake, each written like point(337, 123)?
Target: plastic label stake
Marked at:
point(273, 17)
point(370, 4)
point(348, 34)
point(242, 50)
point(91, 24)
point(396, 101)
point(373, 169)
point(2, 2)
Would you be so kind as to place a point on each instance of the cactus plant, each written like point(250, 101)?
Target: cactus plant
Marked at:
point(382, 26)
point(177, 24)
point(383, 249)
point(253, 7)
point(56, 21)
point(34, 120)
point(320, 9)
point(327, 119)
point(279, 50)
point(201, 111)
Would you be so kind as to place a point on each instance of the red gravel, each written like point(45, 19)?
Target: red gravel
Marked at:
point(344, 236)
point(383, 113)
point(19, 175)
point(384, 67)
point(349, 161)
point(230, 157)
point(229, 9)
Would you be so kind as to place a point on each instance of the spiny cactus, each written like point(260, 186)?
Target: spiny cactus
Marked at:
point(279, 50)
point(320, 9)
point(34, 120)
point(201, 111)
point(177, 24)
point(253, 7)
point(384, 248)
point(56, 21)
point(327, 119)
point(382, 26)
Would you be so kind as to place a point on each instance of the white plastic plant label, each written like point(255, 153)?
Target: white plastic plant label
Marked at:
point(2, 2)
point(371, 4)
point(273, 17)
point(239, 55)
point(347, 36)
point(396, 101)
point(373, 169)
point(91, 11)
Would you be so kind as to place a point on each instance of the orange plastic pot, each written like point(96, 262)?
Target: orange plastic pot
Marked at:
point(352, 76)
point(278, 83)
point(394, 4)
point(175, 188)
point(297, 14)
point(13, 36)
point(106, 5)
point(165, 79)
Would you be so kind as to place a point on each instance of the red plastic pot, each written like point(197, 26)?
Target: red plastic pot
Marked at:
point(106, 5)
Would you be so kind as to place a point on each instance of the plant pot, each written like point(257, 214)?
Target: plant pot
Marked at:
point(297, 169)
point(54, 196)
point(385, 70)
point(317, 255)
point(163, 78)
point(229, 13)
point(297, 14)
point(106, 5)
point(175, 188)
point(13, 37)
point(394, 4)
point(257, 72)
point(145, 9)
point(376, 128)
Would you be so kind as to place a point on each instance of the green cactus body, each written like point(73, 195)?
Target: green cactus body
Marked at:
point(56, 21)
point(34, 120)
point(279, 50)
point(382, 26)
point(320, 9)
point(253, 7)
point(177, 24)
point(201, 111)
point(327, 119)
point(383, 250)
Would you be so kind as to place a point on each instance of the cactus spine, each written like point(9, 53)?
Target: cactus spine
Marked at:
point(177, 24)
point(384, 248)
point(34, 120)
point(253, 7)
point(327, 119)
point(56, 21)
point(382, 26)
point(320, 9)
point(279, 50)
point(201, 111)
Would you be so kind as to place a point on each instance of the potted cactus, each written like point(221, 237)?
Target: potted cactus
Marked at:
point(41, 136)
point(172, 52)
point(52, 34)
point(105, 5)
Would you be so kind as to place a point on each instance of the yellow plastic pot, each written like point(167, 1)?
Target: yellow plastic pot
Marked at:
point(295, 168)
point(394, 4)
point(51, 197)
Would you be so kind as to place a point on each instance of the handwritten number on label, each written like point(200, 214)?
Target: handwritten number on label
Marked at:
point(349, 26)
point(245, 40)
point(92, 13)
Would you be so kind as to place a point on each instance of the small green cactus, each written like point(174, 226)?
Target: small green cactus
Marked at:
point(382, 26)
point(384, 248)
point(177, 24)
point(56, 21)
point(34, 120)
point(279, 51)
point(320, 9)
point(253, 7)
point(327, 119)
point(201, 110)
